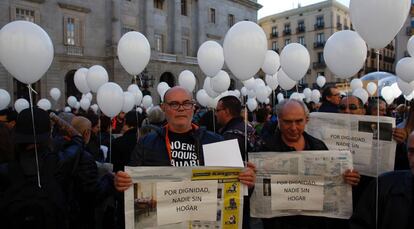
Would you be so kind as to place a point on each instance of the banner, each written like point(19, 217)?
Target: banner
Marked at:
point(184, 197)
point(301, 183)
point(372, 148)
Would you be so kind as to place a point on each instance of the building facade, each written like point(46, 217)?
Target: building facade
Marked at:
point(311, 26)
point(404, 35)
point(86, 33)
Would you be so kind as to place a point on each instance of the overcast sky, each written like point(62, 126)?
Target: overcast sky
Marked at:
point(276, 6)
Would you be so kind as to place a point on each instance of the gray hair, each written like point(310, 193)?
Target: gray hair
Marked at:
point(156, 115)
point(280, 106)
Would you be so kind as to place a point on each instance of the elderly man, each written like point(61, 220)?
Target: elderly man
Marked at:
point(352, 105)
point(395, 200)
point(330, 100)
point(291, 136)
point(179, 135)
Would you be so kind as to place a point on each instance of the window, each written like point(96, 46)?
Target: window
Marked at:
point(338, 18)
point(321, 73)
point(158, 43)
point(274, 30)
point(301, 26)
point(185, 46)
point(274, 46)
point(184, 7)
point(70, 31)
point(320, 57)
point(230, 20)
point(287, 41)
point(158, 4)
point(25, 14)
point(320, 38)
point(212, 16)
point(319, 20)
point(301, 40)
point(125, 30)
point(346, 24)
point(286, 30)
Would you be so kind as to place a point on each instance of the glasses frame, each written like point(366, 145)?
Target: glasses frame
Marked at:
point(186, 105)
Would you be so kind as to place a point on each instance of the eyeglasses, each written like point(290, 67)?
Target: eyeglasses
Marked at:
point(187, 105)
point(351, 107)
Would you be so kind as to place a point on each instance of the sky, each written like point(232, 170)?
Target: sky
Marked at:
point(275, 6)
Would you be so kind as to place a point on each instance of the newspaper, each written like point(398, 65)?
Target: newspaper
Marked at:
point(316, 169)
point(184, 197)
point(358, 134)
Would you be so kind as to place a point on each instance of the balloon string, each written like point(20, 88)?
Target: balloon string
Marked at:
point(214, 121)
point(31, 90)
point(110, 142)
point(245, 135)
point(34, 134)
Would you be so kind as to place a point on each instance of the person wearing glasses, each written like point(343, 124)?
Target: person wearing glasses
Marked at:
point(179, 143)
point(351, 105)
point(330, 100)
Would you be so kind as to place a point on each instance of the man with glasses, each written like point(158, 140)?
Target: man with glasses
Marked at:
point(179, 143)
point(351, 105)
point(330, 99)
point(8, 116)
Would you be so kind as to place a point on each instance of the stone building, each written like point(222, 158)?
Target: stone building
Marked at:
point(311, 26)
point(86, 32)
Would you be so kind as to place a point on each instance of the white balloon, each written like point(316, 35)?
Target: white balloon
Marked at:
point(162, 88)
point(95, 107)
point(320, 81)
point(72, 101)
point(134, 89)
point(410, 46)
point(129, 101)
point(396, 90)
point(89, 96)
point(77, 105)
point(139, 110)
point(251, 94)
point(96, 77)
point(147, 101)
point(245, 46)
point(55, 93)
point(296, 96)
point(85, 103)
point(243, 91)
point(208, 89)
point(21, 104)
point(280, 97)
point(370, 17)
point(44, 104)
point(187, 80)
point(315, 96)
point(405, 87)
point(389, 101)
point(221, 82)
point(4, 99)
point(250, 84)
point(261, 93)
point(307, 92)
point(295, 60)
point(285, 82)
point(271, 81)
point(361, 94)
point(356, 83)
point(267, 101)
point(387, 94)
point(80, 80)
point(271, 62)
point(236, 93)
point(405, 69)
point(110, 98)
point(26, 51)
point(371, 88)
point(259, 82)
point(345, 53)
point(251, 104)
point(67, 110)
point(408, 97)
point(203, 98)
point(210, 58)
point(134, 52)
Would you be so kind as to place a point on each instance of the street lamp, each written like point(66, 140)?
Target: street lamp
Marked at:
point(146, 81)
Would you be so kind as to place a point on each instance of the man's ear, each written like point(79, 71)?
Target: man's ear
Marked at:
point(162, 105)
point(307, 119)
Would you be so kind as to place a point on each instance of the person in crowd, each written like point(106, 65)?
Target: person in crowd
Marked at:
point(262, 116)
point(8, 117)
point(352, 105)
point(155, 120)
point(159, 149)
point(105, 136)
point(399, 113)
point(209, 121)
point(400, 136)
point(393, 206)
point(118, 123)
point(374, 110)
point(291, 136)
point(94, 146)
point(330, 99)
point(6, 144)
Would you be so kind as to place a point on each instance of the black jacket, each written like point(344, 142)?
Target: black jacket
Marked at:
point(122, 148)
point(275, 143)
point(151, 149)
point(395, 203)
point(328, 107)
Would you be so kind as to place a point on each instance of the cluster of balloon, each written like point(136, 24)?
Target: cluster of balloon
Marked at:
point(404, 70)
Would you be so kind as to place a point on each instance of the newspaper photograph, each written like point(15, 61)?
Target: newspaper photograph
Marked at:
point(372, 148)
point(184, 197)
point(301, 183)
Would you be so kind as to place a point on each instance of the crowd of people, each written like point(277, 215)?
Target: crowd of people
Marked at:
point(54, 173)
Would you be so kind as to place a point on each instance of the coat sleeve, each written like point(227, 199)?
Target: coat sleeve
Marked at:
point(364, 216)
point(138, 154)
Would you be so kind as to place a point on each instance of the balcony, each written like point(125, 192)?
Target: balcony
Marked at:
point(276, 50)
point(72, 50)
point(338, 26)
point(319, 25)
point(318, 65)
point(287, 32)
point(273, 35)
point(319, 44)
point(300, 29)
point(346, 27)
point(165, 57)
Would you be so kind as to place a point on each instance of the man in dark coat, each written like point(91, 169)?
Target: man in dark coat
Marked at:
point(330, 99)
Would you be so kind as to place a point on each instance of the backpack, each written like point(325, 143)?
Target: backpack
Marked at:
point(26, 205)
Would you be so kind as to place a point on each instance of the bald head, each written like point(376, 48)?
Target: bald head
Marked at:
point(172, 92)
point(83, 126)
point(290, 103)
